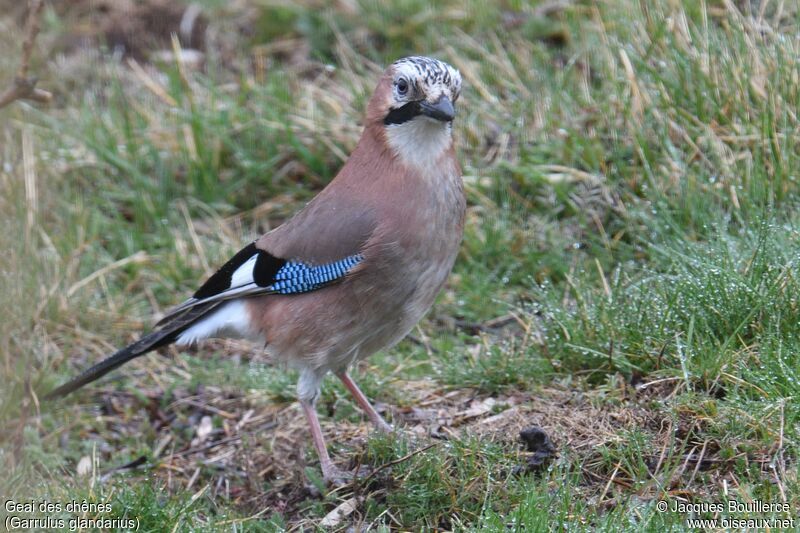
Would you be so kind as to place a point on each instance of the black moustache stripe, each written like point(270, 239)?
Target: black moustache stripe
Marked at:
point(402, 114)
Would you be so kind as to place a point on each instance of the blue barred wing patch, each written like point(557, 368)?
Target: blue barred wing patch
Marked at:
point(296, 277)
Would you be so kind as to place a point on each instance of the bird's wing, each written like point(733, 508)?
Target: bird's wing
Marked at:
point(310, 251)
point(253, 272)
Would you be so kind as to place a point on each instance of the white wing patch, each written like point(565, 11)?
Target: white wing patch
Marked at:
point(244, 274)
point(231, 320)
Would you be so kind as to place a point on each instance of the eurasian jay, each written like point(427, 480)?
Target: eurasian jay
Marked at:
point(357, 267)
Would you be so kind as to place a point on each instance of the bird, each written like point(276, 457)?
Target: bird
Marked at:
point(356, 268)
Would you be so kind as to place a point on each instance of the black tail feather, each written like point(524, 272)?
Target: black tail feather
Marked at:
point(148, 343)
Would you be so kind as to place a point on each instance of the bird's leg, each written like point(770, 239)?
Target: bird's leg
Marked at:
point(376, 419)
point(330, 473)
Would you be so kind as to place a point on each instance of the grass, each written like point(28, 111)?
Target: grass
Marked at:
point(628, 279)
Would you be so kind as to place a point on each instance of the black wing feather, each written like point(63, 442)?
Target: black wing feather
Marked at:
point(265, 269)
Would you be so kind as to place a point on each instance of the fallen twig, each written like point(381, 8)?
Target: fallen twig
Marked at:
point(23, 87)
point(139, 461)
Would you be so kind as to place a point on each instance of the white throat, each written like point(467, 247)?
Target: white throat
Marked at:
point(420, 141)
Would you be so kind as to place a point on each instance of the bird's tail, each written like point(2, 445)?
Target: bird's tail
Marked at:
point(156, 339)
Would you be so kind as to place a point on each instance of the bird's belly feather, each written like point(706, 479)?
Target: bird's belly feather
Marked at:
point(376, 307)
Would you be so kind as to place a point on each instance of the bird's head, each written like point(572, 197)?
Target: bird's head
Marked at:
point(414, 103)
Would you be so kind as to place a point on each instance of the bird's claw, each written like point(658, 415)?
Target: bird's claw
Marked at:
point(386, 428)
point(337, 478)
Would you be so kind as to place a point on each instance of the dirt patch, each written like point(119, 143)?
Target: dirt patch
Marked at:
point(255, 453)
point(136, 27)
point(129, 27)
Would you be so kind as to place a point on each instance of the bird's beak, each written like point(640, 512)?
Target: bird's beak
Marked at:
point(441, 110)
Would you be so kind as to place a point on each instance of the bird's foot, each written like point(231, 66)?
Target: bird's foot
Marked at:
point(337, 478)
point(385, 427)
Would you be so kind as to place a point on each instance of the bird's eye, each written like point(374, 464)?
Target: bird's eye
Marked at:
point(402, 87)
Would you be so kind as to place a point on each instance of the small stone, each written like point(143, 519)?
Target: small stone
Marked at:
point(188, 57)
point(536, 440)
point(541, 447)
